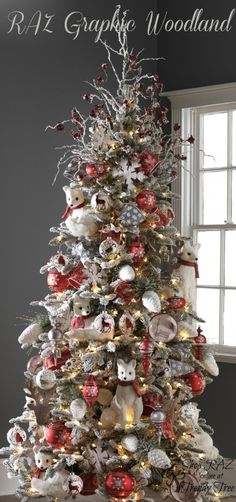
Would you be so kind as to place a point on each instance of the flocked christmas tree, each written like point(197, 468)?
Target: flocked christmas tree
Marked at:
point(117, 356)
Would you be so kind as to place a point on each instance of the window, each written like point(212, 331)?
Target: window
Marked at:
point(208, 207)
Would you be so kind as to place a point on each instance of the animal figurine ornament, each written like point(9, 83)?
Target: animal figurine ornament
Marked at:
point(77, 217)
point(199, 438)
point(189, 273)
point(127, 402)
point(51, 486)
point(84, 324)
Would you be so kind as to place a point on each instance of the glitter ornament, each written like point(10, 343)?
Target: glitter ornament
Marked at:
point(196, 382)
point(101, 202)
point(146, 348)
point(163, 328)
point(146, 200)
point(151, 301)
point(130, 443)
point(138, 251)
point(57, 434)
point(158, 459)
point(90, 390)
point(127, 324)
point(126, 273)
point(45, 379)
point(78, 408)
point(90, 483)
point(95, 170)
point(16, 435)
point(120, 484)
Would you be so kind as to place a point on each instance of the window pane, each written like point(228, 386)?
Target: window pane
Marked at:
point(209, 258)
point(230, 250)
point(234, 139)
point(229, 324)
point(234, 197)
point(208, 309)
point(215, 140)
point(214, 197)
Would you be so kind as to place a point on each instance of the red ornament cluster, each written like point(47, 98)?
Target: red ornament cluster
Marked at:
point(90, 390)
point(59, 282)
point(146, 200)
point(55, 363)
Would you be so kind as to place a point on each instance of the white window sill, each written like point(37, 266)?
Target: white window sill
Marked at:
point(224, 353)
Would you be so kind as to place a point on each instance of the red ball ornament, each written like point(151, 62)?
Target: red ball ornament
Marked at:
point(57, 434)
point(148, 162)
point(199, 340)
point(95, 170)
point(90, 390)
point(150, 401)
point(57, 282)
point(125, 291)
point(196, 382)
point(52, 363)
point(90, 483)
point(76, 277)
point(120, 484)
point(146, 200)
point(138, 251)
point(146, 348)
point(176, 303)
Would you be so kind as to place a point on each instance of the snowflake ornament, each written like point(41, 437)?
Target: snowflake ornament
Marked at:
point(128, 170)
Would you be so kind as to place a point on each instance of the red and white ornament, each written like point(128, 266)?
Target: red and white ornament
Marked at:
point(127, 324)
point(196, 382)
point(120, 484)
point(95, 170)
point(54, 363)
point(163, 328)
point(199, 341)
point(138, 251)
point(57, 281)
point(90, 390)
point(146, 348)
point(146, 200)
point(176, 303)
point(167, 211)
point(104, 323)
point(148, 162)
point(16, 436)
point(57, 434)
point(109, 249)
point(125, 291)
point(101, 201)
point(73, 484)
point(150, 401)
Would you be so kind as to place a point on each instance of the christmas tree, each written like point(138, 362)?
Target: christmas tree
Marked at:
point(117, 357)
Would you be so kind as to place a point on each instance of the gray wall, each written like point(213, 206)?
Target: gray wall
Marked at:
point(41, 80)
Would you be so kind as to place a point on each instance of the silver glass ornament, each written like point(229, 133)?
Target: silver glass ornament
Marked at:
point(158, 417)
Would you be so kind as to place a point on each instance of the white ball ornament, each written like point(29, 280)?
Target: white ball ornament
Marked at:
point(78, 408)
point(101, 201)
point(126, 273)
point(151, 301)
point(73, 484)
point(158, 458)
point(105, 397)
point(162, 328)
point(45, 379)
point(130, 443)
point(16, 435)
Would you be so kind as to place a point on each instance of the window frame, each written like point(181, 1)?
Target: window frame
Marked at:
point(186, 108)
